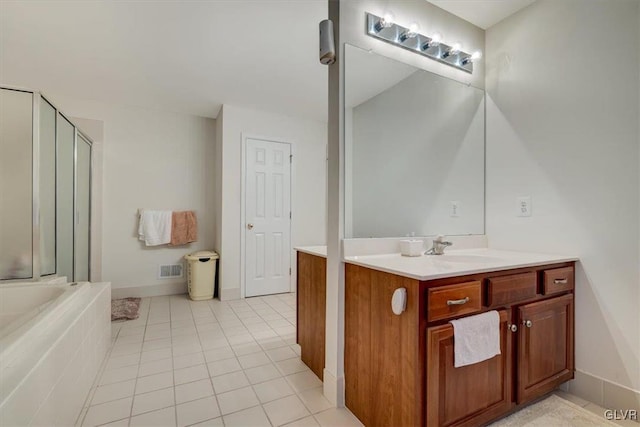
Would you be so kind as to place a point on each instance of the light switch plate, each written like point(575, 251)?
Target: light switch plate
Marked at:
point(523, 206)
point(455, 209)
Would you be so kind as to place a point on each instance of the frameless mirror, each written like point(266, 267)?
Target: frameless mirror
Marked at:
point(414, 150)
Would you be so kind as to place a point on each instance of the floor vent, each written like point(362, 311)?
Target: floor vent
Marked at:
point(170, 271)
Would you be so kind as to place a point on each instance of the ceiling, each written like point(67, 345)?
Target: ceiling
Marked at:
point(187, 57)
point(482, 13)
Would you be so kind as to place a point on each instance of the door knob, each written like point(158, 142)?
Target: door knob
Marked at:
point(250, 226)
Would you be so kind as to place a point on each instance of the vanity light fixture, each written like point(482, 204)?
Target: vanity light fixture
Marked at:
point(436, 38)
point(453, 50)
point(385, 22)
point(412, 32)
point(475, 56)
point(432, 42)
point(385, 28)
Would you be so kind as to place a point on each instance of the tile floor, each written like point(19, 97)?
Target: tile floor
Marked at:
point(209, 363)
point(213, 363)
point(592, 407)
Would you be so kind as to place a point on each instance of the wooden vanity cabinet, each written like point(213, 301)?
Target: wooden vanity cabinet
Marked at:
point(399, 370)
point(311, 310)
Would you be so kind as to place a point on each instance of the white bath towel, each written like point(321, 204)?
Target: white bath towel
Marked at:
point(154, 227)
point(476, 338)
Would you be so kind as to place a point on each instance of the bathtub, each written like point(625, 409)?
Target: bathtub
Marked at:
point(53, 338)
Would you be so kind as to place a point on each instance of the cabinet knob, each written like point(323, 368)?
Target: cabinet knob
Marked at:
point(527, 323)
point(513, 327)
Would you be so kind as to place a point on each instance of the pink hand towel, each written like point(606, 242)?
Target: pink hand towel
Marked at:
point(184, 228)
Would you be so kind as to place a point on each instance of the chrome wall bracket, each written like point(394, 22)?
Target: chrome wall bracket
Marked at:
point(403, 37)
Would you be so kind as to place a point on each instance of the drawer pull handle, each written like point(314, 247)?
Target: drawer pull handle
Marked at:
point(458, 301)
point(561, 281)
point(527, 323)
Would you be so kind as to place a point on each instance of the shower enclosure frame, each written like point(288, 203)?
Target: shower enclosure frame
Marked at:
point(36, 258)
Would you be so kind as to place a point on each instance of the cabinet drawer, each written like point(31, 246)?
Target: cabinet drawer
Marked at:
point(557, 280)
point(510, 289)
point(450, 301)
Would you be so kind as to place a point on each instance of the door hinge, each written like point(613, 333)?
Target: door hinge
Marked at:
point(290, 158)
point(289, 271)
point(289, 214)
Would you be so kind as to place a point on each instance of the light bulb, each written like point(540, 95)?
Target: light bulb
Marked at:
point(476, 56)
point(411, 32)
point(387, 19)
point(414, 28)
point(455, 48)
point(385, 22)
point(436, 38)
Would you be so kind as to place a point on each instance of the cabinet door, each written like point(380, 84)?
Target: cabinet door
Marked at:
point(311, 294)
point(472, 394)
point(545, 347)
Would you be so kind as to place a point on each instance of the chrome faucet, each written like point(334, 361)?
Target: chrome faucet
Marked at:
point(438, 246)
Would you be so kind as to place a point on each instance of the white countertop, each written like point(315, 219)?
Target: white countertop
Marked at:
point(320, 251)
point(455, 262)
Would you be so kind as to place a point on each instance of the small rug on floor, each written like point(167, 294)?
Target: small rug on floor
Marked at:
point(125, 308)
point(553, 411)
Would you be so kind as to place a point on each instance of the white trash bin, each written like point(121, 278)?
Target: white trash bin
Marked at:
point(201, 274)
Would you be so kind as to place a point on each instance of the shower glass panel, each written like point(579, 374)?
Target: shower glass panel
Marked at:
point(83, 208)
point(47, 188)
point(16, 184)
point(64, 207)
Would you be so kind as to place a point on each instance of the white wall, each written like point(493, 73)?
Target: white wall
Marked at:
point(348, 17)
point(562, 127)
point(154, 160)
point(308, 226)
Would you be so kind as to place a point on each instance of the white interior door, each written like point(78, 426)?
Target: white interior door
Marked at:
point(267, 217)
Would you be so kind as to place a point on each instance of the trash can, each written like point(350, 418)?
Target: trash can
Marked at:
point(201, 274)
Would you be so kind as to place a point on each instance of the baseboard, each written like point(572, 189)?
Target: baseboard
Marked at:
point(602, 392)
point(149, 291)
point(333, 388)
point(229, 294)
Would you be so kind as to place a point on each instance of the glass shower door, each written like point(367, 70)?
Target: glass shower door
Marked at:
point(16, 184)
point(47, 188)
point(83, 208)
point(64, 190)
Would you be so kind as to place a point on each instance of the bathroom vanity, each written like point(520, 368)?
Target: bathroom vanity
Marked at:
point(311, 305)
point(399, 369)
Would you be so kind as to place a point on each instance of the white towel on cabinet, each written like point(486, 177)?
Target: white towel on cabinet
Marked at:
point(155, 227)
point(476, 338)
